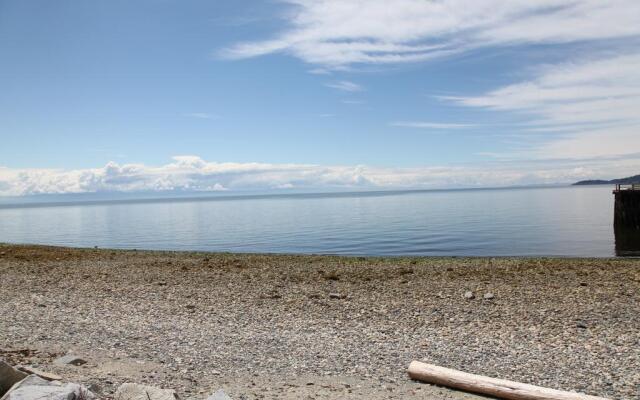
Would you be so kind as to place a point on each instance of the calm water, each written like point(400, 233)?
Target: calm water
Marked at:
point(560, 221)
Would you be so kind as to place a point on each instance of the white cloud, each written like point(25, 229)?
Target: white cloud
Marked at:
point(191, 173)
point(345, 86)
point(319, 71)
point(430, 125)
point(589, 108)
point(337, 33)
point(585, 108)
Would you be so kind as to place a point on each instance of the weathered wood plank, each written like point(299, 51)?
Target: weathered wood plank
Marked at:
point(499, 388)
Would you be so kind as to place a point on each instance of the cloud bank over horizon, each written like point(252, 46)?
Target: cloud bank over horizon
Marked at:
point(193, 174)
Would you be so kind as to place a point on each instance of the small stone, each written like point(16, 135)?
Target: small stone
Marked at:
point(134, 391)
point(69, 360)
point(337, 296)
point(488, 296)
point(469, 295)
point(219, 395)
point(95, 388)
point(581, 325)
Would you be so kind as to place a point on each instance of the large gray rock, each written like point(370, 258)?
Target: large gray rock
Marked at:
point(35, 388)
point(9, 376)
point(219, 395)
point(134, 391)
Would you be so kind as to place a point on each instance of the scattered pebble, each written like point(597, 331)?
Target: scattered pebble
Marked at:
point(234, 336)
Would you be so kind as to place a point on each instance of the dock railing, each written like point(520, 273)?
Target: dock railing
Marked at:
point(620, 187)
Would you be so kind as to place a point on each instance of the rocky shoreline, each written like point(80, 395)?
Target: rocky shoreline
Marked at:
point(284, 326)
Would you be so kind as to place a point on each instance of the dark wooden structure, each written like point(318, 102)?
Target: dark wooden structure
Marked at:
point(627, 206)
point(626, 220)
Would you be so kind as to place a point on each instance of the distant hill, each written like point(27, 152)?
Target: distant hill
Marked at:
point(623, 181)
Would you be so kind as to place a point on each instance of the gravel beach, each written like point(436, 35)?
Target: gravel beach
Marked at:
point(319, 327)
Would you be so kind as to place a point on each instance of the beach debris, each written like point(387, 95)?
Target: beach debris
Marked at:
point(134, 391)
point(499, 388)
point(70, 360)
point(219, 395)
point(42, 374)
point(9, 376)
point(469, 295)
point(35, 388)
point(488, 296)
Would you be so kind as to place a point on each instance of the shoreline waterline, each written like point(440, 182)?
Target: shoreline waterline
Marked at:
point(330, 255)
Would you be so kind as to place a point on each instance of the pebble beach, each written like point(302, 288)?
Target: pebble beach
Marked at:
point(319, 327)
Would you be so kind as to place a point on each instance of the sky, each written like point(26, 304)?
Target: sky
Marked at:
point(206, 95)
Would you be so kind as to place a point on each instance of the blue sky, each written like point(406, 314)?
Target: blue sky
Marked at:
point(226, 95)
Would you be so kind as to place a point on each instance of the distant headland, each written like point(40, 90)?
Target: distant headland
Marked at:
point(622, 181)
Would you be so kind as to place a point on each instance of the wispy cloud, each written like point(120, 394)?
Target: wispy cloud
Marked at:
point(191, 173)
point(589, 108)
point(201, 115)
point(337, 33)
point(430, 125)
point(345, 86)
point(319, 71)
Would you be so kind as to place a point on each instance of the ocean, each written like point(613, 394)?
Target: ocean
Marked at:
point(539, 221)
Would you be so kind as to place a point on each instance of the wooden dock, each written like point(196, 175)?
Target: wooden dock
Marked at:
point(626, 187)
point(626, 219)
point(627, 206)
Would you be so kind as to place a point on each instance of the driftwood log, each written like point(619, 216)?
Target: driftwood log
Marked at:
point(499, 388)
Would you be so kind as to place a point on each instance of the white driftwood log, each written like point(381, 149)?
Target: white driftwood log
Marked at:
point(499, 388)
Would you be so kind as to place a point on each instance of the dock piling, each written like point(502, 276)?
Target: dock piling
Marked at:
point(627, 206)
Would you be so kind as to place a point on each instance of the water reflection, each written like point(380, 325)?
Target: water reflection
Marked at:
point(554, 221)
point(627, 242)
